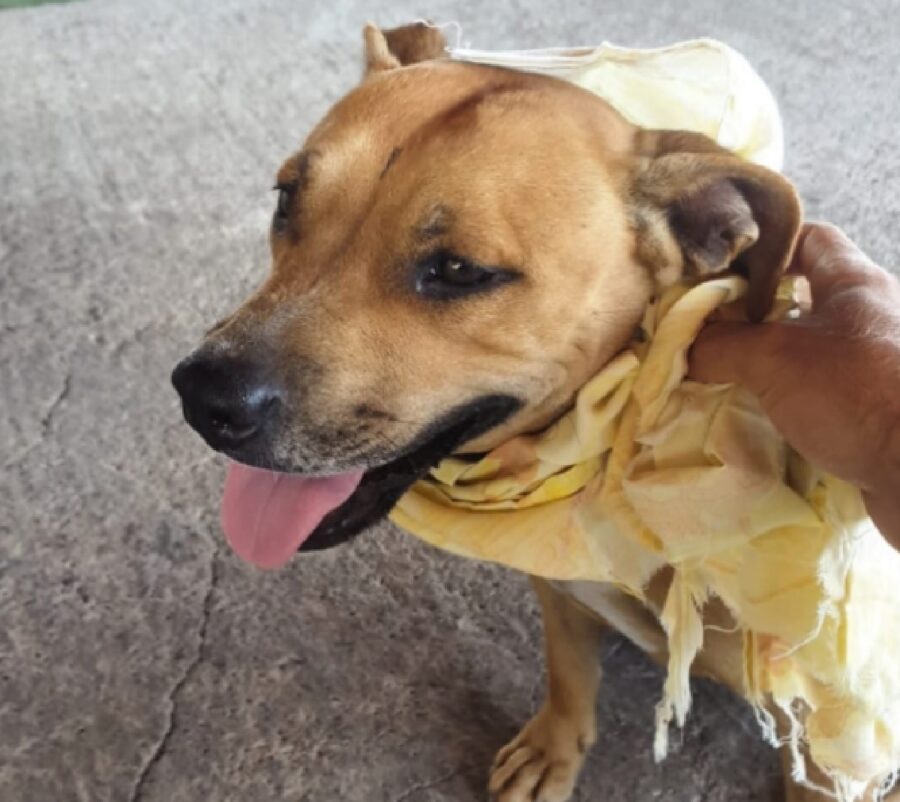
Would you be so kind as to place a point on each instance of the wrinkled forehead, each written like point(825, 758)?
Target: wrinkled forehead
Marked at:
point(392, 107)
point(406, 110)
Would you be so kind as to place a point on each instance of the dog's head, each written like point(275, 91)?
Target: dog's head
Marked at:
point(455, 251)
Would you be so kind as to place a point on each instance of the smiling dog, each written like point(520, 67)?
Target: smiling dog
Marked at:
point(456, 250)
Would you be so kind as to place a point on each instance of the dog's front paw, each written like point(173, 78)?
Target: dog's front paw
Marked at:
point(542, 762)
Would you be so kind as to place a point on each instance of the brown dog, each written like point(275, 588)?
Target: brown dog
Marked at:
point(456, 250)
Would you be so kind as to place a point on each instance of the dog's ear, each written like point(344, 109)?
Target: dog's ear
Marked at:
point(699, 208)
point(397, 47)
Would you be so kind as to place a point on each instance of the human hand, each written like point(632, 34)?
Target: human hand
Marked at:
point(830, 379)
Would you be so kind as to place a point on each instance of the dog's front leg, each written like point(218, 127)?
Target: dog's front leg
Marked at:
point(542, 762)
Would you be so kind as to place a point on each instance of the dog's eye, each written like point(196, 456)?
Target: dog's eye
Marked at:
point(444, 276)
point(455, 271)
point(283, 206)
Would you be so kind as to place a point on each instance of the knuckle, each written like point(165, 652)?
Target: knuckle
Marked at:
point(824, 238)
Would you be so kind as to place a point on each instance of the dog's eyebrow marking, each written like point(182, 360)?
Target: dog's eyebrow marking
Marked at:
point(293, 177)
point(390, 161)
point(303, 168)
point(436, 223)
point(295, 172)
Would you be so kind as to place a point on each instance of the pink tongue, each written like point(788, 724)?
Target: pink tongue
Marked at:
point(267, 516)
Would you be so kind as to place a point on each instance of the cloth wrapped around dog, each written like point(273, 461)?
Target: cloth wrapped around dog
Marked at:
point(650, 470)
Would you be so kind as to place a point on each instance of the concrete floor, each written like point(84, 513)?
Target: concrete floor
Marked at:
point(138, 659)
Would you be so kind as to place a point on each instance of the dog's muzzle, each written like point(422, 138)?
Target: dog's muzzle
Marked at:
point(228, 400)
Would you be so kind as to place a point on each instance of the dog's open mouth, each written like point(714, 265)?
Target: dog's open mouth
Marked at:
point(268, 516)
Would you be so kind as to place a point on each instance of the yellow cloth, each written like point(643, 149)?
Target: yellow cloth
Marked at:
point(701, 85)
point(649, 470)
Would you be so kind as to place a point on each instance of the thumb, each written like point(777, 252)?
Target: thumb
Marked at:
point(830, 260)
point(737, 353)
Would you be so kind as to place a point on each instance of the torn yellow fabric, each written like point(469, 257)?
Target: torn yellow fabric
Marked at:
point(649, 470)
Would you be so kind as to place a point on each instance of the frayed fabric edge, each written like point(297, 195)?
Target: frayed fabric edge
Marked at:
point(681, 618)
point(684, 629)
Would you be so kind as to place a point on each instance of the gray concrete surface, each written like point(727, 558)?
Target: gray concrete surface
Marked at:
point(138, 659)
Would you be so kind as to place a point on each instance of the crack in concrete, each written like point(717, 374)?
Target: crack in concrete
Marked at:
point(61, 396)
point(45, 423)
point(425, 786)
point(16, 458)
point(171, 725)
point(132, 337)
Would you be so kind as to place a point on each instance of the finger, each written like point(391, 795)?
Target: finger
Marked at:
point(830, 260)
point(738, 353)
point(794, 267)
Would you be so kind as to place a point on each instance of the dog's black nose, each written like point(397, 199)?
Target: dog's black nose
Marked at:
point(226, 399)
